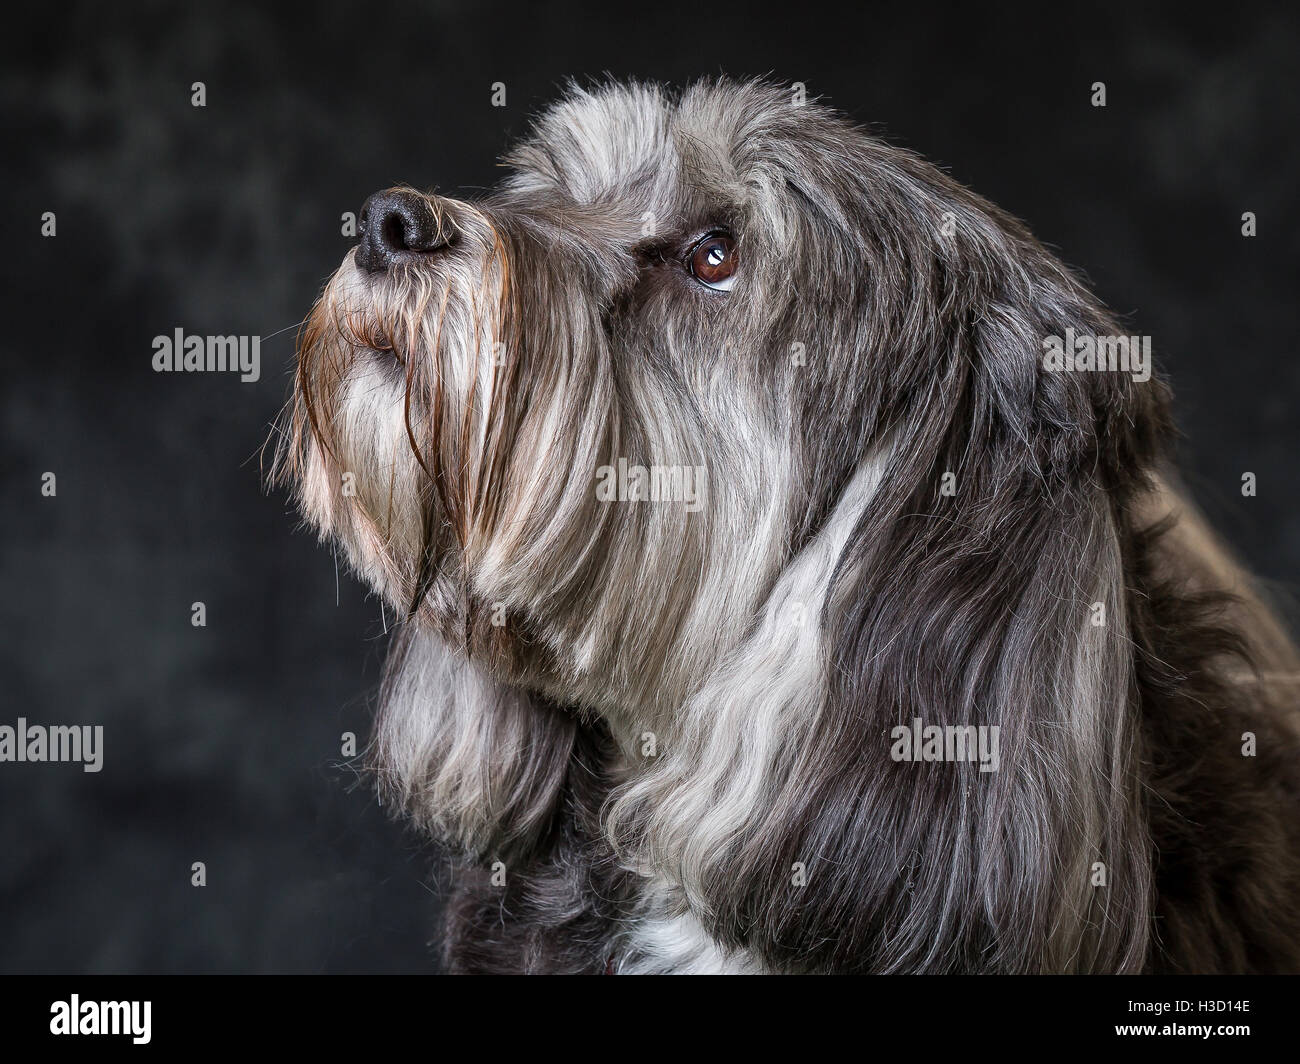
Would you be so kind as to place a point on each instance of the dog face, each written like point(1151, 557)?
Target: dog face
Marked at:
point(626, 295)
point(879, 507)
point(735, 293)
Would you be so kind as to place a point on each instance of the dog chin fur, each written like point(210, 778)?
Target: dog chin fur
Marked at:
point(668, 729)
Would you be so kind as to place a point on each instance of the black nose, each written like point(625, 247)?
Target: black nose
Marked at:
point(399, 226)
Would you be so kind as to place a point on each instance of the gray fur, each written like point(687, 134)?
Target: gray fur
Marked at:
point(828, 589)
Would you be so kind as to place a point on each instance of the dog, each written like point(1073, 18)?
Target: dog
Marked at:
point(793, 578)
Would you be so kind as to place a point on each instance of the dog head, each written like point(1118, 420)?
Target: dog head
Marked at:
point(728, 424)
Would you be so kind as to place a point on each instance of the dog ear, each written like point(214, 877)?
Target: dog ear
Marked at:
point(476, 763)
point(970, 576)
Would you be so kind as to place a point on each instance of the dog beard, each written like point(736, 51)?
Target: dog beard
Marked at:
point(903, 517)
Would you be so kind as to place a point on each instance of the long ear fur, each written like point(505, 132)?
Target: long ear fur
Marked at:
point(777, 808)
point(477, 763)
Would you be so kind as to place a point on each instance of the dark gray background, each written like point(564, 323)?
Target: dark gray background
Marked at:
point(222, 743)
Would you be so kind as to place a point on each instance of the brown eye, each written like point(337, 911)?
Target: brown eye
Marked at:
point(713, 262)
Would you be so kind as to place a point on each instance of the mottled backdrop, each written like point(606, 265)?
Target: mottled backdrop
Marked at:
point(222, 743)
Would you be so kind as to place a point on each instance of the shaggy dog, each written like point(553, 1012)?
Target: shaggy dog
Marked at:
point(789, 575)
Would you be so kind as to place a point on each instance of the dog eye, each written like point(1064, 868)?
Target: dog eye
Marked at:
point(713, 262)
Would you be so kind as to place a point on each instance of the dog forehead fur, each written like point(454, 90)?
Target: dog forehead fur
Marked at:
point(648, 158)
